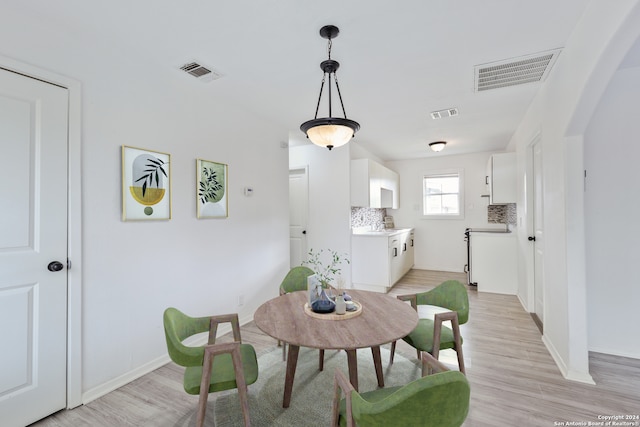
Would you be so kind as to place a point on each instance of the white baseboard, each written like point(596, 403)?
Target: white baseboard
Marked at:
point(615, 353)
point(126, 378)
point(123, 379)
point(373, 288)
point(569, 374)
point(448, 269)
point(524, 306)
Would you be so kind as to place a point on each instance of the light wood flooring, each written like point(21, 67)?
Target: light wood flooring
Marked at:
point(514, 381)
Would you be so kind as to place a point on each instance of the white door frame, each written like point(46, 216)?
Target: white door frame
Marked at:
point(539, 281)
point(74, 225)
point(304, 168)
point(530, 212)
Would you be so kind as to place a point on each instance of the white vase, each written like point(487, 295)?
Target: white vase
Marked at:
point(341, 306)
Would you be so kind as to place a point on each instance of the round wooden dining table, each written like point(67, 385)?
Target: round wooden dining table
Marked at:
point(383, 319)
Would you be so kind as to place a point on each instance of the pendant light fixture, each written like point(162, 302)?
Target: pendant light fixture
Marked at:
point(330, 131)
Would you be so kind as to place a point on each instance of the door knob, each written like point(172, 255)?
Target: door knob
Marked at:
point(55, 266)
point(532, 238)
point(304, 231)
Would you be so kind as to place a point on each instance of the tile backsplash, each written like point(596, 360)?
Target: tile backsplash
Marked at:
point(502, 214)
point(363, 217)
point(374, 218)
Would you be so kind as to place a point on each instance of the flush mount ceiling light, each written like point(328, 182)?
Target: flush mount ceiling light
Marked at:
point(330, 131)
point(437, 146)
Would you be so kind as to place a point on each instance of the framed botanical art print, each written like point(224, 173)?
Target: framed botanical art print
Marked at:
point(146, 184)
point(211, 181)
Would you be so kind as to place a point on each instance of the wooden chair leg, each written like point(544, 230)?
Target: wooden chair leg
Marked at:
point(458, 347)
point(320, 360)
point(426, 369)
point(437, 331)
point(284, 351)
point(455, 326)
point(393, 352)
point(242, 385)
point(204, 388)
point(342, 386)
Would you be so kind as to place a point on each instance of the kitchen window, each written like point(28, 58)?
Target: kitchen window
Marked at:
point(443, 195)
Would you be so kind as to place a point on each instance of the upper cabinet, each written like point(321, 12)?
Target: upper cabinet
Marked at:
point(373, 185)
point(502, 179)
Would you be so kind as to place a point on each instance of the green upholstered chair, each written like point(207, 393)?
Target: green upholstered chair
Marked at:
point(438, 400)
point(234, 366)
point(430, 335)
point(295, 280)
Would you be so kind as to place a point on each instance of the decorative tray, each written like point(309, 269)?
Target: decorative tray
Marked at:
point(333, 315)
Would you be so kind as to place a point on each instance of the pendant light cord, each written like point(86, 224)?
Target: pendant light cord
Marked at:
point(335, 77)
point(339, 95)
point(320, 97)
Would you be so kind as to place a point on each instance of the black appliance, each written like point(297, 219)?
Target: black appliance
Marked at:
point(467, 266)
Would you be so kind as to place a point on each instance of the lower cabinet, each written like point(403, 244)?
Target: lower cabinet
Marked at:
point(407, 253)
point(379, 260)
point(494, 262)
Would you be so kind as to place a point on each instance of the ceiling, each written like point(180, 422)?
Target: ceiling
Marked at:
point(399, 60)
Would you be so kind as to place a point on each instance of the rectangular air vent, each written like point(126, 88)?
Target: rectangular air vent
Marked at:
point(515, 71)
point(200, 71)
point(449, 112)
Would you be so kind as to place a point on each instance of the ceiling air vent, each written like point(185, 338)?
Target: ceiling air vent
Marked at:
point(516, 71)
point(449, 112)
point(201, 72)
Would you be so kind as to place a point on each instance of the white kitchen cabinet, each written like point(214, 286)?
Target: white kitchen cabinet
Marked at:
point(373, 185)
point(502, 178)
point(406, 245)
point(380, 259)
point(494, 262)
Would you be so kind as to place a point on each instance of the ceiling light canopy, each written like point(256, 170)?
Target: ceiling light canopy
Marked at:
point(330, 131)
point(437, 146)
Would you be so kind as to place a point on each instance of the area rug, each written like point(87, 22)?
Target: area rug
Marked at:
point(312, 390)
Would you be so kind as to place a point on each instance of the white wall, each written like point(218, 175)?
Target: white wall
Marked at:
point(329, 199)
point(612, 203)
point(439, 243)
point(559, 114)
point(134, 270)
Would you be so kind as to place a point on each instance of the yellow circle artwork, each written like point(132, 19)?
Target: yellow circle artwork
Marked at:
point(148, 184)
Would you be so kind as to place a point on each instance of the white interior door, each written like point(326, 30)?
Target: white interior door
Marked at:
point(538, 280)
point(33, 234)
point(298, 215)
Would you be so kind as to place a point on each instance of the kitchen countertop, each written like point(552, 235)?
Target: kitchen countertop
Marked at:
point(487, 230)
point(384, 232)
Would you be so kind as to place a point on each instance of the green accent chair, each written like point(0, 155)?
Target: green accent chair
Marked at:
point(234, 366)
point(296, 280)
point(430, 336)
point(439, 400)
